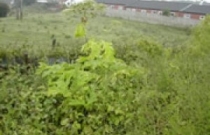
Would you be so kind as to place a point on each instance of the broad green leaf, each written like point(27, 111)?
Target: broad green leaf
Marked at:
point(80, 30)
point(65, 122)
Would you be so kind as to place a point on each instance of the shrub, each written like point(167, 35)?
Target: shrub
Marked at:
point(94, 91)
point(4, 9)
point(139, 51)
point(166, 12)
point(95, 95)
point(201, 42)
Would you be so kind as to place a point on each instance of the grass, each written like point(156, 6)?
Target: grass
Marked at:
point(35, 32)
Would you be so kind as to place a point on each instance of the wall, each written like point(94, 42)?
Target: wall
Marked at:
point(151, 18)
point(195, 16)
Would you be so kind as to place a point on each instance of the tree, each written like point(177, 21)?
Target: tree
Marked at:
point(166, 12)
point(18, 7)
point(4, 9)
point(85, 10)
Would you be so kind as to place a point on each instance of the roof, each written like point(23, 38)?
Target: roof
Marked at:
point(202, 9)
point(190, 7)
point(206, 3)
point(119, 2)
point(159, 5)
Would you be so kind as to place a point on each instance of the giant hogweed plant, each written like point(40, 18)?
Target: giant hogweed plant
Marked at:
point(98, 90)
point(85, 10)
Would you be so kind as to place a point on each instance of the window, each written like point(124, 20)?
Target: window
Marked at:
point(115, 6)
point(120, 7)
point(202, 17)
point(143, 11)
point(172, 14)
point(160, 12)
point(187, 16)
point(133, 9)
point(111, 6)
point(153, 11)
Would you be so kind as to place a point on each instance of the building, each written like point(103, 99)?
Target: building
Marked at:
point(73, 2)
point(196, 11)
point(117, 4)
point(188, 10)
point(42, 1)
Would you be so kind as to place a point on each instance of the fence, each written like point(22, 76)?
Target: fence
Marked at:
point(152, 18)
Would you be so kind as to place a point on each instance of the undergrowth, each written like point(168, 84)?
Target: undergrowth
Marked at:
point(139, 87)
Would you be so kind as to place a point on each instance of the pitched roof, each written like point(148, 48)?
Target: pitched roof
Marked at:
point(159, 5)
point(203, 9)
point(190, 7)
point(119, 2)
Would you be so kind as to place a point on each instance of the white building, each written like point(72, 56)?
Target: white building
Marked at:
point(72, 2)
point(42, 1)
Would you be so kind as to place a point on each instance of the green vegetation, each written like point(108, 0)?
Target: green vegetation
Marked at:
point(166, 12)
point(36, 32)
point(4, 9)
point(120, 78)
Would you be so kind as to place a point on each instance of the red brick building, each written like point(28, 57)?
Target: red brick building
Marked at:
point(188, 10)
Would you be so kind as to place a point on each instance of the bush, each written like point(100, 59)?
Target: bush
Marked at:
point(4, 9)
point(96, 95)
point(201, 42)
point(94, 91)
point(166, 12)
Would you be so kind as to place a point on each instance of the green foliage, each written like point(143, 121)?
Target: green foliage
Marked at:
point(193, 70)
point(4, 9)
point(175, 99)
point(94, 90)
point(142, 85)
point(200, 40)
point(86, 10)
point(19, 37)
point(80, 31)
point(141, 51)
point(166, 13)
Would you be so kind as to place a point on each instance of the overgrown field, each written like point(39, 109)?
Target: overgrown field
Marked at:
point(35, 33)
point(122, 78)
